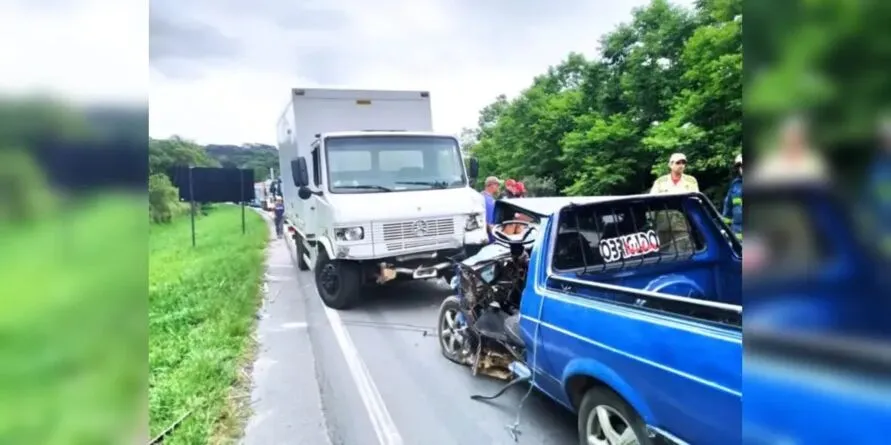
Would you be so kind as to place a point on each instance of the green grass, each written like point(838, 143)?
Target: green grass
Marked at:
point(73, 355)
point(202, 306)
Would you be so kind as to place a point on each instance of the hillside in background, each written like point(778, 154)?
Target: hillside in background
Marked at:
point(259, 157)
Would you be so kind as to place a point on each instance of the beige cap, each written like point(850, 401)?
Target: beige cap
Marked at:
point(677, 157)
point(738, 159)
point(493, 180)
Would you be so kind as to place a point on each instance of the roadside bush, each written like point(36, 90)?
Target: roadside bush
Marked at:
point(164, 202)
point(536, 186)
point(24, 193)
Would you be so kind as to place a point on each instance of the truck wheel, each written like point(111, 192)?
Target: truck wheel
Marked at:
point(454, 344)
point(338, 282)
point(606, 419)
point(299, 250)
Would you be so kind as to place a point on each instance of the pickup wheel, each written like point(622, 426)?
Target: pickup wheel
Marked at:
point(299, 250)
point(606, 419)
point(453, 343)
point(338, 282)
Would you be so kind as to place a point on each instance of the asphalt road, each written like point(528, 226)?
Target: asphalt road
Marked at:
point(374, 375)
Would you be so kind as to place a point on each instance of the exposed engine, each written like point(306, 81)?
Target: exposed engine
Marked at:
point(491, 285)
point(494, 275)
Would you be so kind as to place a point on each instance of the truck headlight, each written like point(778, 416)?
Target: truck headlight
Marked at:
point(474, 222)
point(349, 234)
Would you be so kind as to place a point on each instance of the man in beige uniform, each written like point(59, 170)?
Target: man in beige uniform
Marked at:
point(676, 181)
point(671, 225)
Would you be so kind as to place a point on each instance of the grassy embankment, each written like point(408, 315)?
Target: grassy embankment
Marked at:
point(73, 324)
point(202, 303)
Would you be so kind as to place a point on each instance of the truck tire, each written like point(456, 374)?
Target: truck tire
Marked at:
point(299, 250)
point(338, 282)
point(601, 406)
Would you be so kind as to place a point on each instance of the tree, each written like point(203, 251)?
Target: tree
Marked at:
point(166, 153)
point(257, 157)
point(669, 80)
point(826, 60)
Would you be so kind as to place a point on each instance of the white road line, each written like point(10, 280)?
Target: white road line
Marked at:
point(383, 424)
point(294, 325)
point(384, 427)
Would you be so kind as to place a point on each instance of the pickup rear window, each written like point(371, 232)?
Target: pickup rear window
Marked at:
point(624, 233)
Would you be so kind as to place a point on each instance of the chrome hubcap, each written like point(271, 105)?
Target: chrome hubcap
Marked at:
point(450, 333)
point(605, 426)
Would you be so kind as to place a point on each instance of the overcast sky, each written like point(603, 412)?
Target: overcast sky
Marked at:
point(221, 70)
point(86, 50)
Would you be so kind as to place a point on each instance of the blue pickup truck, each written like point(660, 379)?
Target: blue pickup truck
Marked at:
point(626, 310)
point(818, 341)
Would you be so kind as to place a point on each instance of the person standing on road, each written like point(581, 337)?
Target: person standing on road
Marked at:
point(279, 210)
point(492, 187)
point(676, 181)
point(733, 202)
point(514, 189)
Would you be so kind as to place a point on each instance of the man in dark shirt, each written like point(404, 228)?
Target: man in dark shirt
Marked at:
point(279, 210)
point(733, 213)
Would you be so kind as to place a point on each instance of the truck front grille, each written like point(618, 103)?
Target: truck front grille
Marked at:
point(418, 229)
point(414, 234)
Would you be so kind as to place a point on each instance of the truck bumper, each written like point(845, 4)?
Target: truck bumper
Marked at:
point(418, 273)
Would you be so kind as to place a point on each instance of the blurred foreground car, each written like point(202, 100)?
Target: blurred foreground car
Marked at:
point(817, 351)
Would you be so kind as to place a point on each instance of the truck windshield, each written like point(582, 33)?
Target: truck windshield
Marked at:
point(378, 164)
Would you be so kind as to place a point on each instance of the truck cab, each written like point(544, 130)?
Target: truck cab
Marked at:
point(377, 196)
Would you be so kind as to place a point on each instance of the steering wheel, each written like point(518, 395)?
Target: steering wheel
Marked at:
point(505, 239)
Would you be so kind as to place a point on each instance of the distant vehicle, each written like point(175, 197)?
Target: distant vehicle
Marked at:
point(626, 310)
point(373, 194)
point(261, 190)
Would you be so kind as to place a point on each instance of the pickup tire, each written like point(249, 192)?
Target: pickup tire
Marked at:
point(339, 282)
point(453, 352)
point(600, 402)
point(299, 251)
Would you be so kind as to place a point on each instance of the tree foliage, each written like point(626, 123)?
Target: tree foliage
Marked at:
point(164, 154)
point(164, 201)
point(826, 61)
point(669, 80)
point(257, 157)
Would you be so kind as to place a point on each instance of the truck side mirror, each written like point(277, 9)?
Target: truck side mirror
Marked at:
point(474, 169)
point(304, 193)
point(299, 173)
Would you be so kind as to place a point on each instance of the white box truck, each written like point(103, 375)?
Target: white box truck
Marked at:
point(371, 193)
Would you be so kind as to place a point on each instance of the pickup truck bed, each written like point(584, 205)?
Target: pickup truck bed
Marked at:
point(662, 331)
